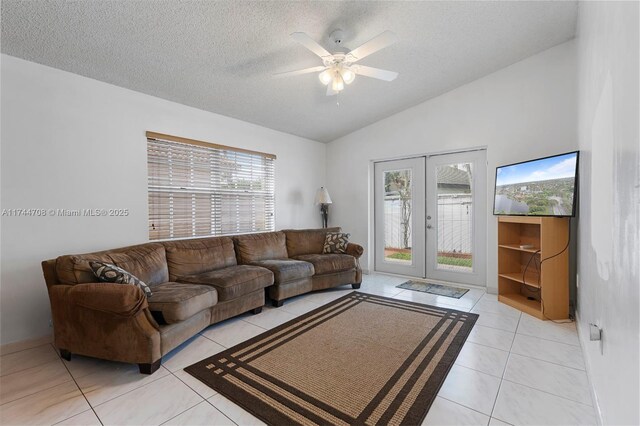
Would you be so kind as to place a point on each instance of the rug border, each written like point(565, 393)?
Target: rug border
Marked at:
point(463, 335)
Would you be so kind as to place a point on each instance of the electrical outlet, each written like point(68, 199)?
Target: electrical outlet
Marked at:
point(50, 323)
point(596, 335)
point(595, 332)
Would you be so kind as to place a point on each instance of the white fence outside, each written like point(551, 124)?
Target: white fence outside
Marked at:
point(454, 223)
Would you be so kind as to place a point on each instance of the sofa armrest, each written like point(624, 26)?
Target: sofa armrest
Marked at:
point(118, 299)
point(105, 320)
point(355, 250)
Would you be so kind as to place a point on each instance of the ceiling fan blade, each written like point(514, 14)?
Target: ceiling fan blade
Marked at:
point(310, 44)
point(299, 72)
point(378, 42)
point(330, 91)
point(375, 73)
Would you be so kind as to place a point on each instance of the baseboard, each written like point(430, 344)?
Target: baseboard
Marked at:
point(587, 367)
point(21, 345)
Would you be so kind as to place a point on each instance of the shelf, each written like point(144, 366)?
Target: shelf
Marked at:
point(550, 233)
point(518, 301)
point(530, 279)
point(533, 220)
point(517, 247)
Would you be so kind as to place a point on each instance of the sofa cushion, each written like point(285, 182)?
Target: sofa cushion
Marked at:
point(234, 281)
point(174, 302)
point(74, 268)
point(287, 269)
point(329, 263)
point(255, 247)
point(146, 261)
point(306, 241)
point(109, 273)
point(191, 257)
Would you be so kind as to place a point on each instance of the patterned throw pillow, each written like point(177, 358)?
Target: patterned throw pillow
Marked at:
point(109, 273)
point(336, 242)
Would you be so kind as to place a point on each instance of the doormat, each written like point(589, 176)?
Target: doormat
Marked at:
point(440, 290)
point(353, 361)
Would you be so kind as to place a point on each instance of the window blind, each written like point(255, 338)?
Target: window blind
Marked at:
point(202, 190)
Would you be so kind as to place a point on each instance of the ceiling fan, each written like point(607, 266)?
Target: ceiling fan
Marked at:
point(340, 68)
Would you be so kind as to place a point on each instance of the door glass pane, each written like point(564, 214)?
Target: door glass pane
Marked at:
point(455, 213)
point(397, 216)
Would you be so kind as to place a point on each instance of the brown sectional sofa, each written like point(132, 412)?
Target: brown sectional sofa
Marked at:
point(195, 283)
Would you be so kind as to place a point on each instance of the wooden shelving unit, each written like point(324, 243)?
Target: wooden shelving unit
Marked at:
point(548, 282)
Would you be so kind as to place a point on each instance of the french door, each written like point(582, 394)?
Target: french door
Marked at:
point(430, 217)
point(457, 217)
point(399, 216)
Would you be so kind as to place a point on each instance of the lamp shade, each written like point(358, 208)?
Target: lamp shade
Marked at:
point(322, 196)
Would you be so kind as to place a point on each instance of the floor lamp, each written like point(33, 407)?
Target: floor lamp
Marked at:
point(323, 198)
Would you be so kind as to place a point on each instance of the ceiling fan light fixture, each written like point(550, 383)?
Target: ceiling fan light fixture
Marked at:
point(325, 77)
point(338, 83)
point(348, 76)
point(340, 68)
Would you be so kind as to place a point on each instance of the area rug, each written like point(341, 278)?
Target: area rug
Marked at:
point(359, 360)
point(440, 290)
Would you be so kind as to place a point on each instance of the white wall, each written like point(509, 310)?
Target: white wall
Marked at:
point(609, 227)
point(524, 111)
point(73, 142)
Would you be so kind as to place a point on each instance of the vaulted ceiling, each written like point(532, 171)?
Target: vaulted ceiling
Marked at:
point(220, 56)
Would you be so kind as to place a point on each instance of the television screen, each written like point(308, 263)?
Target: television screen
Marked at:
point(542, 187)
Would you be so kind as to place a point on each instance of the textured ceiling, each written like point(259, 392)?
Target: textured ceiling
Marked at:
point(221, 56)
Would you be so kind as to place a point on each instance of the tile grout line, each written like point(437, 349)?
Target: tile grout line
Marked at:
point(495, 328)
point(514, 353)
point(182, 412)
point(211, 340)
point(203, 400)
point(222, 412)
point(129, 391)
point(479, 371)
point(474, 305)
point(23, 350)
point(495, 401)
point(549, 340)
point(457, 403)
point(505, 370)
point(548, 393)
point(502, 421)
point(514, 315)
point(528, 335)
point(81, 392)
point(488, 346)
point(41, 390)
point(548, 362)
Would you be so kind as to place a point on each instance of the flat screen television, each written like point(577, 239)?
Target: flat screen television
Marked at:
point(542, 187)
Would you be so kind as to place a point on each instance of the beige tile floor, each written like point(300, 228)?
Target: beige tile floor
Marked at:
point(513, 369)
